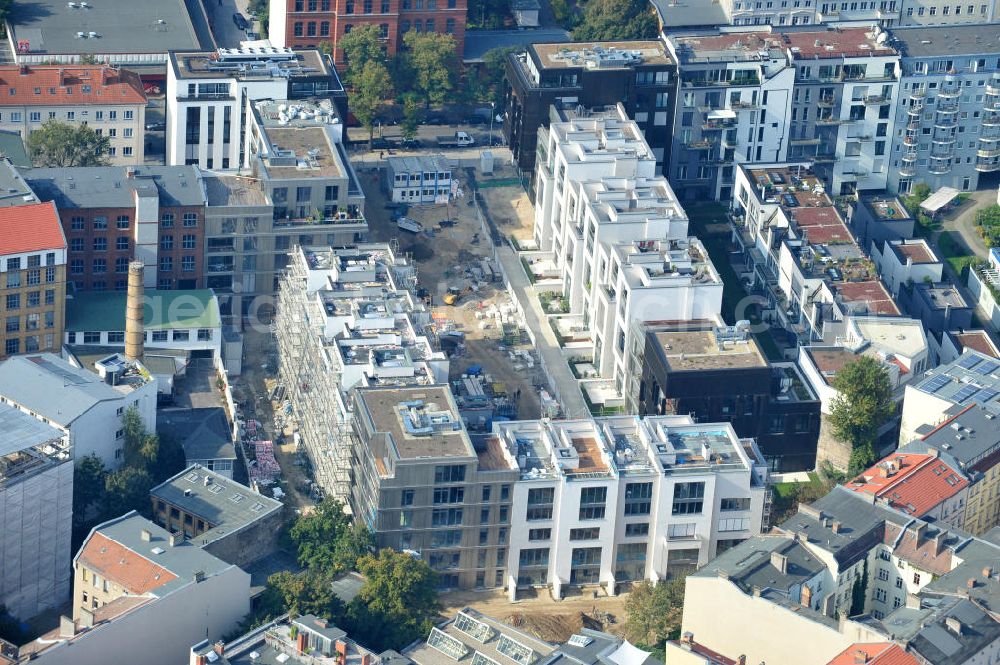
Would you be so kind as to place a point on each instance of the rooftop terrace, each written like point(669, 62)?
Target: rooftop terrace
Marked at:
point(701, 350)
point(302, 152)
point(251, 62)
point(419, 422)
point(601, 55)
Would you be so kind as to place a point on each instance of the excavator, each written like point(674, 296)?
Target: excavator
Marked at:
point(454, 295)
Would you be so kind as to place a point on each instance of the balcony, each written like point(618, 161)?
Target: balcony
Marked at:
point(917, 94)
point(938, 166)
point(914, 110)
point(943, 140)
point(717, 125)
point(342, 219)
point(993, 88)
point(988, 153)
point(805, 141)
point(744, 106)
point(991, 103)
point(949, 93)
point(908, 171)
point(825, 102)
point(949, 108)
point(985, 166)
point(875, 99)
point(910, 140)
point(910, 156)
point(703, 144)
point(992, 120)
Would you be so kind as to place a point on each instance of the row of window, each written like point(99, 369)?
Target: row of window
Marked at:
point(100, 222)
point(33, 261)
point(36, 116)
point(32, 344)
point(304, 194)
point(118, 336)
point(32, 277)
point(99, 266)
point(30, 322)
point(13, 301)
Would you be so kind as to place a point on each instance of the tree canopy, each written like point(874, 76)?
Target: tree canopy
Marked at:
point(608, 20)
point(361, 46)
point(863, 403)
point(397, 603)
point(62, 144)
point(372, 87)
point(429, 63)
point(328, 541)
point(653, 613)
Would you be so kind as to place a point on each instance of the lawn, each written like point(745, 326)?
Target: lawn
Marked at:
point(954, 253)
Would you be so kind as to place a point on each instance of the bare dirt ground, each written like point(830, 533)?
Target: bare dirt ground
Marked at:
point(548, 619)
point(511, 210)
point(442, 256)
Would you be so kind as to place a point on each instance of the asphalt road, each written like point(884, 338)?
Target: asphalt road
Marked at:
point(220, 18)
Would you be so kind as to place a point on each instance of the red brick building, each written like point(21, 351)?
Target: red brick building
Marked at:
point(306, 23)
point(114, 215)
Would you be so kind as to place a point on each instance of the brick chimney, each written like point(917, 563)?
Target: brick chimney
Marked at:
point(176, 538)
point(135, 313)
point(300, 641)
point(779, 561)
point(219, 648)
point(860, 657)
point(687, 637)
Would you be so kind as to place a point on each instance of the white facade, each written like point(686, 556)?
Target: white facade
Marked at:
point(895, 263)
point(89, 409)
point(616, 238)
point(208, 95)
point(418, 179)
point(620, 499)
point(36, 511)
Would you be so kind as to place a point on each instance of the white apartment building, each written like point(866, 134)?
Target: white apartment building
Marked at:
point(109, 100)
point(79, 402)
point(36, 514)
point(615, 238)
point(613, 500)
point(765, 96)
point(208, 94)
point(347, 318)
point(904, 262)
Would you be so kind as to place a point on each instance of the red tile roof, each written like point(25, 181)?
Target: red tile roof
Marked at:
point(978, 340)
point(68, 85)
point(875, 653)
point(835, 43)
point(821, 225)
point(119, 564)
point(870, 293)
point(30, 228)
point(911, 483)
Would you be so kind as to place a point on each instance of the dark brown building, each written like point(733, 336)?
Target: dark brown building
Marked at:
point(113, 215)
point(721, 375)
point(640, 75)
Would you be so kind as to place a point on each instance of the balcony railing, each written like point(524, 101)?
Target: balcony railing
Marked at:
point(285, 222)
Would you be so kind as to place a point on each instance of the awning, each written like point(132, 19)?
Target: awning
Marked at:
point(627, 654)
point(939, 199)
point(722, 114)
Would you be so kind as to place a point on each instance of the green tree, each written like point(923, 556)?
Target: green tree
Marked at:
point(398, 602)
point(309, 592)
point(361, 46)
point(565, 14)
point(606, 20)
point(494, 70)
point(413, 114)
point(328, 541)
point(371, 88)
point(325, 47)
point(169, 459)
point(863, 403)
point(487, 14)
point(141, 447)
point(653, 613)
point(88, 487)
point(127, 489)
point(61, 144)
point(430, 65)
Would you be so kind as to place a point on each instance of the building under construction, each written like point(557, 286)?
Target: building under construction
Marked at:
point(348, 318)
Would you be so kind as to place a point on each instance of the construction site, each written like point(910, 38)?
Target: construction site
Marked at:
point(423, 302)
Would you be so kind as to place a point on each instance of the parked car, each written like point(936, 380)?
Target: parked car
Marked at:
point(241, 21)
point(410, 144)
point(382, 143)
point(476, 120)
point(156, 126)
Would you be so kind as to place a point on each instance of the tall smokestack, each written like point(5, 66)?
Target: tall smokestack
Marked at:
point(134, 333)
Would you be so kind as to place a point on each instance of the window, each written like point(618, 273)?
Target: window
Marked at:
point(190, 219)
point(449, 495)
point(735, 504)
point(916, 578)
point(590, 533)
point(204, 335)
point(100, 244)
point(540, 503)
point(637, 529)
point(189, 241)
point(688, 498)
point(487, 489)
point(121, 243)
point(76, 223)
point(12, 346)
point(166, 264)
point(180, 336)
point(734, 524)
point(13, 324)
point(446, 517)
point(187, 264)
point(592, 501)
point(539, 534)
point(449, 474)
point(449, 26)
point(159, 335)
point(100, 266)
point(406, 498)
point(91, 337)
point(34, 298)
point(638, 497)
point(116, 336)
point(533, 556)
point(167, 220)
point(100, 223)
point(76, 266)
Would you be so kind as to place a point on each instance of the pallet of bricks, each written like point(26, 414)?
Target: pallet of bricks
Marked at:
point(265, 470)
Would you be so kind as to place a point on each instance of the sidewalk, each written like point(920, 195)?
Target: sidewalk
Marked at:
point(565, 385)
